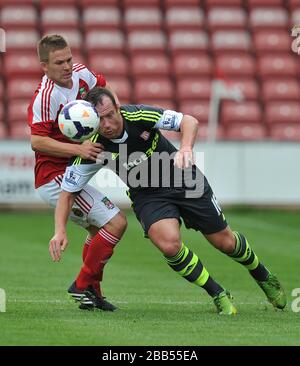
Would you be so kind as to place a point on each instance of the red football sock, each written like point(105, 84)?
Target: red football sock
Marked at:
point(99, 252)
point(86, 246)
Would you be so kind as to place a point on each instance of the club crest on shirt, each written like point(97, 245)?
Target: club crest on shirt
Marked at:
point(108, 203)
point(82, 92)
point(145, 135)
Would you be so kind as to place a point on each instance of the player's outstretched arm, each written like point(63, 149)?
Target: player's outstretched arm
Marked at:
point(189, 129)
point(60, 241)
point(86, 150)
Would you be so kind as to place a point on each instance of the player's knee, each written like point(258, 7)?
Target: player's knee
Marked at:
point(117, 225)
point(227, 242)
point(170, 246)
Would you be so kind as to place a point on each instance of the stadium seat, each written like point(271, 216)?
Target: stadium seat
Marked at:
point(106, 40)
point(142, 18)
point(235, 64)
point(123, 88)
point(143, 41)
point(268, 18)
point(222, 18)
point(188, 41)
point(295, 16)
point(264, 3)
point(161, 103)
point(3, 130)
point(20, 64)
point(246, 132)
point(128, 3)
point(20, 40)
point(231, 41)
point(21, 88)
point(203, 132)
point(17, 2)
point(17, 111)
point(72, 36)
point(19, 130)
point(47, 3)
point(275, 41)
point(282, 112)
point(285, 132)
point(248, 86)
point(277, 66)
point(62, 17)
point(184, 18)
point(85, 3)
point(1, 111)
point(150, 65)
point(101, 17)
point(213, 3)
point(283, 89)
point(197, 108)
point(186, 64)
point(170, 3)
point(109, 64)
point(292, 4)
point(243, 112)
point(13, 17)
point(193, 88)
point(153, 89)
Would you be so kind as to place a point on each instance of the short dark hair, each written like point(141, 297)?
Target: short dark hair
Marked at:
point(96, 94)
point(50, 43)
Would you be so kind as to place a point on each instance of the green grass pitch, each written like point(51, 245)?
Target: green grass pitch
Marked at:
point(156, 306)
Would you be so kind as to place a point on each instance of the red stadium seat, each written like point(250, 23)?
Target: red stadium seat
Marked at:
point(20, 64)
point(12, 17)
point(235, 64)
point(17, 2)
point(47, 3)
point(153, 89)
point(203, 132)
point(186, 64)
point(17, 110)
point(150, 65)
point(19, 130)
point(123, 89)
point(211, 3)
point(109, 64)
point(222, 18)
point(191, 88)
point(3, 131)
point(21, 40)
point(248, 86)
point(1, 89)
point(106, 40)
point(161, 103)
point(277, 41)
point(283, 89)
point(142, 18)
point(22, 88)
point(184, 18)
point(188, 41)
point(85, 3)
point(292, 4)
point(264, 3)
point(295, 16)
point(169, 3)
point(244, 112)
point(62, 17)
point(198, 109)
point(279, 66)
point(101, 17)
point(231, 41)
point(269, 18)
point(143, 41)
point(1, 111)
point(72, 36)
point(282, 112)
point(128, 3)
point(246, 132)
point(285, 132)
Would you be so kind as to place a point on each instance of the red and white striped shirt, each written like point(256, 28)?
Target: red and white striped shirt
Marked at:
point(47, 102)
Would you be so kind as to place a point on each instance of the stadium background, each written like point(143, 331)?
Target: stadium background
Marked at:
point(163, 52)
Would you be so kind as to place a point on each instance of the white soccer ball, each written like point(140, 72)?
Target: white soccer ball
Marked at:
point(78, 120)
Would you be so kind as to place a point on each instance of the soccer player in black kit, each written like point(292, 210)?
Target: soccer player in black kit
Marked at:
point(165, 187)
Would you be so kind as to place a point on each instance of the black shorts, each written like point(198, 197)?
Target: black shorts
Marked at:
point(201, 213)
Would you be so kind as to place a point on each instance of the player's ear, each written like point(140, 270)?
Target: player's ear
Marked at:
point(44, 66)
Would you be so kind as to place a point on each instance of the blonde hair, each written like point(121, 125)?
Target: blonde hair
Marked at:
point(50, 43)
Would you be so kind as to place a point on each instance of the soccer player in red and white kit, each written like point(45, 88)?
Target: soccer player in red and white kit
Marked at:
point(63, 82)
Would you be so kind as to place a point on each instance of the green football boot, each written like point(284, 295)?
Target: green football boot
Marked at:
point(223, 303)
point(274, 291)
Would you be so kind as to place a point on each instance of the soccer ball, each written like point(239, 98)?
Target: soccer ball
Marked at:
point(78, 120)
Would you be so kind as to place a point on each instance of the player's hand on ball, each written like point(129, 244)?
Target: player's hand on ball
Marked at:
point(90, 150)
point(57, 245)
point(183, 159)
